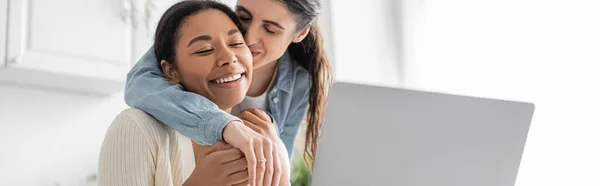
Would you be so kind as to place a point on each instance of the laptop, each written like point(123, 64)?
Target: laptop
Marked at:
point(375, 135)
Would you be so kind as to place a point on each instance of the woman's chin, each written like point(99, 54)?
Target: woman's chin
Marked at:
point(229, 94)
point(258, 63)
point(227, 102)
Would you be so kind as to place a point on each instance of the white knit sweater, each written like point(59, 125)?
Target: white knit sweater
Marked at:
point(139, 150)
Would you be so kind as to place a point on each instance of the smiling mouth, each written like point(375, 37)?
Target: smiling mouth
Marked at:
point(230, 79)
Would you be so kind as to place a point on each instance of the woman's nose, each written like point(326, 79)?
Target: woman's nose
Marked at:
point(252, 35)
point(226, 57)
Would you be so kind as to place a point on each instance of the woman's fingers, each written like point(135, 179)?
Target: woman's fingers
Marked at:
point(252, 126)
point(238, 178)
point(236, 166)
point(260, 114)
point(268, 147)
point(251, 158)
point(261, 161)
point(276, 165)
point(256, 147)
point(204, 150)
point(241, 176)
point(219, 146)
point(225, 156)
point(261, 126)
point(252, 116)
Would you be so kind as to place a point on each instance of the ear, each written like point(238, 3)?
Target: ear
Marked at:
point(170, 71)
point(300, 36)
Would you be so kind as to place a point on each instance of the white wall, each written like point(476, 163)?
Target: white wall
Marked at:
point(52, 138)
point(365, 42)
point(546, 52)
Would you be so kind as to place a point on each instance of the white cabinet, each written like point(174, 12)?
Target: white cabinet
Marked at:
point(74, 45)
point(3, 16)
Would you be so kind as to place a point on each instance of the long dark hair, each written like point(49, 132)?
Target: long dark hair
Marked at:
point(310, 54)
point(167, 30)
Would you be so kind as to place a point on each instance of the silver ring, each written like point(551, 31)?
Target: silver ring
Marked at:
point(262, 161)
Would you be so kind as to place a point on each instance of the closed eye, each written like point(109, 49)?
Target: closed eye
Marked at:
point(237, 44)
point(204, 52)
point(267, 29)
point(244, 19)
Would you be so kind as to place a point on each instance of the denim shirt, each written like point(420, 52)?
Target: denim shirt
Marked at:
point(200, 119)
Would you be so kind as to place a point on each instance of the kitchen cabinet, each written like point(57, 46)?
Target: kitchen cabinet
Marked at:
point(72, 45)
point(3, 16)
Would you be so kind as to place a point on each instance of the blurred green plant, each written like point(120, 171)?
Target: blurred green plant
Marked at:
point(301, 175)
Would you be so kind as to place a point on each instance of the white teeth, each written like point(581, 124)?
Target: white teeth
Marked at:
point(229, 79)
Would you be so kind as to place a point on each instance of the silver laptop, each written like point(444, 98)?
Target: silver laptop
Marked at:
point(390, 136)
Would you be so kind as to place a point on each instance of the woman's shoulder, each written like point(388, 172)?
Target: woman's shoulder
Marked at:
point(294, 73)
point(294, 65)
point(134, 120)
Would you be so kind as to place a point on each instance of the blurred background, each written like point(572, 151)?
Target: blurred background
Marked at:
point(63, 66)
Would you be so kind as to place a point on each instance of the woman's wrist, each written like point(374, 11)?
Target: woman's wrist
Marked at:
point(232, 130)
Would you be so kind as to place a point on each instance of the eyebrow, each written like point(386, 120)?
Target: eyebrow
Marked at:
point(274, 24)
point(200, 38)
point(232, 31)
point(208, 38)
point(241, 8)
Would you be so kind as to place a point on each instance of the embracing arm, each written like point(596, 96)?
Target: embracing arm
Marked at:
point(191, 114)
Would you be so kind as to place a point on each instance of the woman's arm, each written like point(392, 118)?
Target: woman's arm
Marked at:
point(191, 114)
point(125, 156)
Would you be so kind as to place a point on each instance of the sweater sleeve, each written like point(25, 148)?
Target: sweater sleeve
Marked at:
point(125, 157)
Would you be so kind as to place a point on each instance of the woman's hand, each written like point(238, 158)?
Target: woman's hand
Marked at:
point(260, 122)
point(260, 151)
point(218, 165)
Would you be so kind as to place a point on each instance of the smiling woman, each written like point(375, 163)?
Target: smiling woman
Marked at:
point(200, 48)
point(226, 80)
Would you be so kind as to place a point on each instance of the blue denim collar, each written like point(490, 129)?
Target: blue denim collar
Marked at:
point(285, 74)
